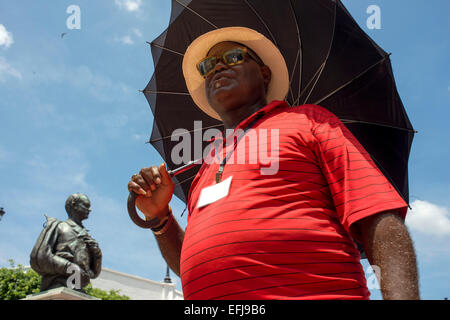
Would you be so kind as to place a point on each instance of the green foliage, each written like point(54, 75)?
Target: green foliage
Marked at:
point(101, 294)
point(16, 283)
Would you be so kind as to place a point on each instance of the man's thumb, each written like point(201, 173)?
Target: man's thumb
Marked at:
point(165, 177)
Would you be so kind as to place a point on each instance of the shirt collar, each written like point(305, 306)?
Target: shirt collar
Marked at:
point(75, 225)
point(260, 113)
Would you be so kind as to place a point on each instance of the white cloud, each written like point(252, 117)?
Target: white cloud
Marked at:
point(141, 138)
point(124, 40)
point(6, 38)
point(137, 32)
point(129, 38)
point(98, 85)
point(428, 218)
point(6, 70)
point(129, 5)
point(60, 168)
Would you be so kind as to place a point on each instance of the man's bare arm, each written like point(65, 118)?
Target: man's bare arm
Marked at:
point(170, 243)
point(388, 245)
point(154, 188)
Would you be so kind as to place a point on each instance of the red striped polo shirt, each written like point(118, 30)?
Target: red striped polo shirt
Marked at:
point(285, 233)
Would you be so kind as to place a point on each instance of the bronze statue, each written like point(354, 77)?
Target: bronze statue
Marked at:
point(65, 255)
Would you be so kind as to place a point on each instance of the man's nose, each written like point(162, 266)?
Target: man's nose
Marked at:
point(220, 65)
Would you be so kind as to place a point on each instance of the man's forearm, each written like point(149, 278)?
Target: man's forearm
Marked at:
point(55, 265)
point(389, 247)
point(170, 243)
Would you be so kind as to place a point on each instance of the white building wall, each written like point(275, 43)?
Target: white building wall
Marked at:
point(136, 288)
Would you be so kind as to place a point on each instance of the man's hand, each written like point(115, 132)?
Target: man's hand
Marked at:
point(91, 243)
point(94, 249)
point(388, 245)
point(155, 189)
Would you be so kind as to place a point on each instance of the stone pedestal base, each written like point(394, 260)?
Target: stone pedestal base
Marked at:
point(60, 294)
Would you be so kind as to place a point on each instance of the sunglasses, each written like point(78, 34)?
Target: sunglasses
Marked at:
point(230, 58)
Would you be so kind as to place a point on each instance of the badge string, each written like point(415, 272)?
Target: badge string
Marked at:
point(225, 159)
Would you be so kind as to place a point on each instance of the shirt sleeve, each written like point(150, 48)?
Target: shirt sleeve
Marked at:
point(358, 187)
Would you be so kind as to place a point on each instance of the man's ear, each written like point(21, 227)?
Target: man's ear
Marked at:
point(267, 76)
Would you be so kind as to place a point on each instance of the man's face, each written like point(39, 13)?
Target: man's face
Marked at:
point(229, 87)
point(82, 208)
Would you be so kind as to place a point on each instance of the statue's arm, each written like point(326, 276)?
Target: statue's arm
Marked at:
point(96, 257)
point(59, 261)
point(43, 259)
point(96, 262)
point(59, 264)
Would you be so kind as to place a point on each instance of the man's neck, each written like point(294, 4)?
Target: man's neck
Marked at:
point(77, 221)
point(235, 116)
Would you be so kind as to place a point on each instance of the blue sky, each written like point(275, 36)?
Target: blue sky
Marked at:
point(73, 120)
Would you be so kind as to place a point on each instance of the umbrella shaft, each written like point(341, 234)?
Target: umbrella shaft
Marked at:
point(187, 166)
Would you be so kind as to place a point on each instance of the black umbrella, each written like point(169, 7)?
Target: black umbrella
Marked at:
point(332, 62)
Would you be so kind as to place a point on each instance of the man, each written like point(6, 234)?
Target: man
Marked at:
point(289, 234)
point(65, 248)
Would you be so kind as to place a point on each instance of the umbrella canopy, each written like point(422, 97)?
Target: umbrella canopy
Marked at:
point(331, 61)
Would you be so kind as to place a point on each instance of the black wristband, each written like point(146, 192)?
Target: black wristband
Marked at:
point(156, 229)
point(163, 223)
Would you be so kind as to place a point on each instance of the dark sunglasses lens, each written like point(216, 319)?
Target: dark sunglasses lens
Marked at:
point(207, 65)
point(234, 57)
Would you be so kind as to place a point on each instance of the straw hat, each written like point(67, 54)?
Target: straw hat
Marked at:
point(263, 47)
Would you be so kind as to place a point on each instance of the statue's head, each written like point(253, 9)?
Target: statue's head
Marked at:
point(78, 206)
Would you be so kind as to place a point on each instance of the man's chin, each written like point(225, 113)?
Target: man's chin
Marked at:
point(226, 90)
point(223, 96)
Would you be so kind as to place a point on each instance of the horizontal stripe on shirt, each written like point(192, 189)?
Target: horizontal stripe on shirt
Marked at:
point(287, 234)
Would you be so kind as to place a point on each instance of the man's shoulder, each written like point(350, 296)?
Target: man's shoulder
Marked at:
point(51, 222)
point(309, 113)
point(311, 110)
point(64, 226)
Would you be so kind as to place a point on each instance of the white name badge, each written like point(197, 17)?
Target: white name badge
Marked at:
point(213, 193)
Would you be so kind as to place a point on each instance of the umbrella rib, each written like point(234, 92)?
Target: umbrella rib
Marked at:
point(319, 73)
point(190, 131)
point(186, 7)
point(328, 55)
point(164, 48)
point(349, 82)
point(261, 19)
point(378, 124)
point(180, 183)
point(166, 92)
point(310, 81)
point(292, 77)
point(299, 54)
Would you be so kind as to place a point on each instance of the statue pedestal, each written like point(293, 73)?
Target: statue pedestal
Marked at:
point(60, 294)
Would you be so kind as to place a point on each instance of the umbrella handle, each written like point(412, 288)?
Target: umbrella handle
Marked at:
point(131, 203)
